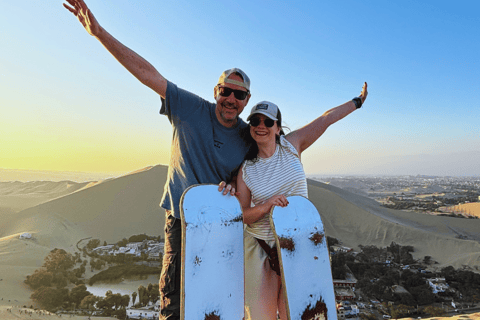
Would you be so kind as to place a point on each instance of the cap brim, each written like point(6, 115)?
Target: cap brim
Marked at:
point(261, 112)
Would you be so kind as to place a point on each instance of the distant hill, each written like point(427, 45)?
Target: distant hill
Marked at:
point(356, 220)
point(127, 205)
point(16, 196)
point(120, 207)
point(109, 211)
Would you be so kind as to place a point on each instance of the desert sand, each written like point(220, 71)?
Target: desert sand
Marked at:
point(18, 312)
point(128, 205)
point(472, 316)
point(472, 209)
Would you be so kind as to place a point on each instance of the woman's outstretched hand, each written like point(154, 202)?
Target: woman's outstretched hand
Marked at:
point(363, 95)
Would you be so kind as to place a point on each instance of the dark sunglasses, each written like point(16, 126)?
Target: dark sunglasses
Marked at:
point(255, 122)
point(226, 92)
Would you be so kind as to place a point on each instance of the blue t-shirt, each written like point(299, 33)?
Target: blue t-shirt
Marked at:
point(203, 150)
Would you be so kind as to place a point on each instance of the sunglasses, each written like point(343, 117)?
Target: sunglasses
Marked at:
point(255, 122)
point(226, 92)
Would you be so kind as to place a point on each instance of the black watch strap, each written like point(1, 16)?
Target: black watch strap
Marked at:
point(358, 102)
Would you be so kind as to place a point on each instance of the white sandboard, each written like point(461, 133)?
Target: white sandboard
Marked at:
point(304, 260)
point(212, 255)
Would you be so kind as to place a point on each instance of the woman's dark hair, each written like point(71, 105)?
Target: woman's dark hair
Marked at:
point(252, 153)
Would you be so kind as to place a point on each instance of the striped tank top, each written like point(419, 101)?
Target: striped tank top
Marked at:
point(282, 173)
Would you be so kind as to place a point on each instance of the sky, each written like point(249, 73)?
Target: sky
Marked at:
point(67, 105)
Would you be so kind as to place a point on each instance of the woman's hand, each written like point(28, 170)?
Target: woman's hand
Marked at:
point(363, 95)
point(279, 201)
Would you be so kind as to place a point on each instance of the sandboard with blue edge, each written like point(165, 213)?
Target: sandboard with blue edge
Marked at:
point(212, 255)
point(304, 260)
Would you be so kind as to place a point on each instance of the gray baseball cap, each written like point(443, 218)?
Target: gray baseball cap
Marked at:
point(224, 78)
point(267, 108)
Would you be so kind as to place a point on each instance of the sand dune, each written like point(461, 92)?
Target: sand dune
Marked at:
point(108, 211)
point(128, 205)
point(16, 196)
point(357, 220)
point(9, 312)
point(472, 209)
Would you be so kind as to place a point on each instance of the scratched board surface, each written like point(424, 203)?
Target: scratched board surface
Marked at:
point(304, 258)
point(212, 270)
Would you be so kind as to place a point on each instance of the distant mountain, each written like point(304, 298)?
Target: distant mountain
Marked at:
point(357, 220)
point(109, 211)
point(16, 196)
point(129, 205)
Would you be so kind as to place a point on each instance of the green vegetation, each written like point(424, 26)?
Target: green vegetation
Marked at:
point(383, 273)
point(51, 280)
point(377, 276)
point(467, 283)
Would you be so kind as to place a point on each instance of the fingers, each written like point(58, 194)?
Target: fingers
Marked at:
point(221, 185)
point(69, 8)
point(73, 8)
point(283, 201)
point(364, 93)
point(226, 188)
point(279, 201)
point(76, 6)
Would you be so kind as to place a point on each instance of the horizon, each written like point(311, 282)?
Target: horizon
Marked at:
point(68, 105)
point(26, 175)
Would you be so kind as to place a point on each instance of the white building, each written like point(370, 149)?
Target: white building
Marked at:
point(347, 310)
point(438, 285)
point(142, 314)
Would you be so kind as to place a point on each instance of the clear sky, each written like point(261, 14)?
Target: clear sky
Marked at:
point(66, 104)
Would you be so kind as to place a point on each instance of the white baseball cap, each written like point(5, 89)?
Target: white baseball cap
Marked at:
point(267, 108)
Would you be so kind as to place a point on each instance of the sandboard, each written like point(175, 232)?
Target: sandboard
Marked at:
point(212, 255)
point(304, 260)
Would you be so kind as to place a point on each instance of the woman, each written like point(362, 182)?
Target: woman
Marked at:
point(272, 172)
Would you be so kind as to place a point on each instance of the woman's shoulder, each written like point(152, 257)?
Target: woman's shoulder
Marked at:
point(288, 145)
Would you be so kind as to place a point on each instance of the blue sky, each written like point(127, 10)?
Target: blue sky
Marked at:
point(68, 105)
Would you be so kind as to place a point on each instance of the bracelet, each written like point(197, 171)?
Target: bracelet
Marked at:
point(358, 102)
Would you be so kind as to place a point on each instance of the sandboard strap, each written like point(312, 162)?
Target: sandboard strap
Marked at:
point(272, 255)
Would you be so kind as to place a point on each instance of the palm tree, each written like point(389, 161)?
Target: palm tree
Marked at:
point(134, 297)
point(141, 294)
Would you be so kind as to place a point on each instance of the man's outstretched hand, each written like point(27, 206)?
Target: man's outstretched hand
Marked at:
point(84, 15)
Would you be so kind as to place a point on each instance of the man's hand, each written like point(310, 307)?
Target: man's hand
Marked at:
point(84, 15)
point(226, 188)
point(363, 95)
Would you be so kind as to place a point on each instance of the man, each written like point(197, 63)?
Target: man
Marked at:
point(207, 146)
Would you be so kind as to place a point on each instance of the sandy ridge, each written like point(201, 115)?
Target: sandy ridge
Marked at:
point(128, 205)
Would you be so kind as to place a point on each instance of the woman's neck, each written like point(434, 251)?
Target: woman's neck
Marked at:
point(266, 150)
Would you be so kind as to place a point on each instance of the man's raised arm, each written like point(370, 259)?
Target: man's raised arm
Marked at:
point(134, 63)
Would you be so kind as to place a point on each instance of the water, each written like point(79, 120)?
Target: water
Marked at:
point(101, 290)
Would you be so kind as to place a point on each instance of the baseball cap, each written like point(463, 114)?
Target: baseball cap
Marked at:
point(224, 78)
point(266, 108)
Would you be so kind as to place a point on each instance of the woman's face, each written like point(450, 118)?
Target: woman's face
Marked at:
point(262, 133)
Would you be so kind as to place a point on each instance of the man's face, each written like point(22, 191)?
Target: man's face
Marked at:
point(229, 108)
